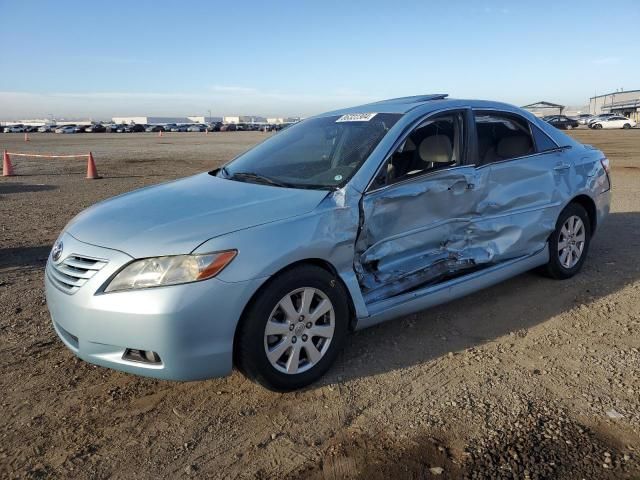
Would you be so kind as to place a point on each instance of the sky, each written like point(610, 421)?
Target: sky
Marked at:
point(297, 58)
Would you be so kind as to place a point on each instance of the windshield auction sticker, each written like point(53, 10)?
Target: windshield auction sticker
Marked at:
point(356, 117)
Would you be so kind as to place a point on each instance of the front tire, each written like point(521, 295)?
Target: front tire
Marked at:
point(569, 243)
point(293, 330)
point(626, 126)
point(597, 126)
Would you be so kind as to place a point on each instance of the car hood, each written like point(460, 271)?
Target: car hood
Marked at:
point(175, 217)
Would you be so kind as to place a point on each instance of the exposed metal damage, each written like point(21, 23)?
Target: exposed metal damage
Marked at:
point(450, 224)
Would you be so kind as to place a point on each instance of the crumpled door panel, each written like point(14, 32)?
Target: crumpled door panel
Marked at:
point(455, 222)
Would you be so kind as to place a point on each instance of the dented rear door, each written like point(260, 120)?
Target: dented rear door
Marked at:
point(420, 231)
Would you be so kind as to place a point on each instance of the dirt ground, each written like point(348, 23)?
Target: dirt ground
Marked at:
point(532, 378)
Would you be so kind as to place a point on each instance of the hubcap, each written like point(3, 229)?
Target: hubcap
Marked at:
point(299, 330)
point(571, 242)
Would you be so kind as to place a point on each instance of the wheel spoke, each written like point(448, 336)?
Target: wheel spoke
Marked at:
point(563, 256)
point(276, 328)
point(278, 350)
point(294, 359)
point(307, 298)
point(564, 232)
point(562, 245)
point(324, 331)
point(289, 310)
point(577, 225)
point(313, 354)
point(580, 237)
point(323, 307)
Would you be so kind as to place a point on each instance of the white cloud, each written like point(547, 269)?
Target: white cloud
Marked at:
point(606, 61)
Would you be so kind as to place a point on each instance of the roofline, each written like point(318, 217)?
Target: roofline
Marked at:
point(613, 93)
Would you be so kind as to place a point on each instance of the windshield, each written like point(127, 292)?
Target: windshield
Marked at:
point(315, 153)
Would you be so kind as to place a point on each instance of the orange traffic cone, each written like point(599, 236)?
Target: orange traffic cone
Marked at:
point(7, 168)
point(92, 172)
point(26, 137)
point(159, 133)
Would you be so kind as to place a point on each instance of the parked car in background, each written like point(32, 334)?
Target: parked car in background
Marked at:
point(584, 118)
point(602, 116)
point(338, 223)
point(229, 127)
point(197, 128)
point(179, 128)
point(96, 128)
point(155, 128)
point(616, 121)
point(66, 129)
point(14, 129)
point(46, 128)
point(563, 122)
point(169, 126)
point(112, 127)
point(137, 128)
point(214, 127)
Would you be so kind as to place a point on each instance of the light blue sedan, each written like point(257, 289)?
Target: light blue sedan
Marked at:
point(339, 222)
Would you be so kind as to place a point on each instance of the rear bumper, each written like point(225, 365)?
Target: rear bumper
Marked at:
point(191, 327)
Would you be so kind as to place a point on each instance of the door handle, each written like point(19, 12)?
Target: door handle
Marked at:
point(561, 167)
point(462, 183)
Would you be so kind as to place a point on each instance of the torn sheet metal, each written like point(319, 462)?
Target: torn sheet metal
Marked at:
point(455, 221)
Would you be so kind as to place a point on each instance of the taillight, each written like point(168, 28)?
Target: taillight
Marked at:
point(605, 165)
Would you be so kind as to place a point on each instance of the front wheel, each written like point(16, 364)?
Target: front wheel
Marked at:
point(569, 127)
point(626, 126)
point(569, 242)
point(293, 330)
point(597, 126)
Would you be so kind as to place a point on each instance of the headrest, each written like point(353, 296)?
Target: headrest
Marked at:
point(516, 146)
point(436, 149)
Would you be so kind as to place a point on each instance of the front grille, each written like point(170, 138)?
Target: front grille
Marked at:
point(73, 272)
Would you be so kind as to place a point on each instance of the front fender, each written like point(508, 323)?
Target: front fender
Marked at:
point(328, 233)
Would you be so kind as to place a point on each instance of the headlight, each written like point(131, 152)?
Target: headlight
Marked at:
point(159, 271)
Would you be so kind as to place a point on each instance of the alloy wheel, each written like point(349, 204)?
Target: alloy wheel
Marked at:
point(299, 330)
point(571, 242)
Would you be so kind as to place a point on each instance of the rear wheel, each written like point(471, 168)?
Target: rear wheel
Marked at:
point(569, 243)
point(569, 127)
point(626, 126)
point(597, 126)
point(294, 329)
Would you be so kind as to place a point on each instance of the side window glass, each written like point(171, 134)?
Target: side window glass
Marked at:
point(502, 136)
point(543, 142)
point(433, 145)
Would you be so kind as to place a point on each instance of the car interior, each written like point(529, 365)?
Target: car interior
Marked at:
point(433, 145)
point(501, 138)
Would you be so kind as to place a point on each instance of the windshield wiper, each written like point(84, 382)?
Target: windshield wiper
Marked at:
point(257, 178)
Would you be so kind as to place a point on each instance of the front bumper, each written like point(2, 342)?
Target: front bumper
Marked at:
point(191, 326)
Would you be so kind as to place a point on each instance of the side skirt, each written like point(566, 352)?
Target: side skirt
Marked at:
point(417, 300)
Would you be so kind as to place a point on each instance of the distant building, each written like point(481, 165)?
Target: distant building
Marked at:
point(150, 120)
point(281, 120)
point(540, 109)
point(243, 119)
point(38, 122)
point(622, 103)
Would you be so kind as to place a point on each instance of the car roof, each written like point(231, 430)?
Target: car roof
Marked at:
point(426, 102)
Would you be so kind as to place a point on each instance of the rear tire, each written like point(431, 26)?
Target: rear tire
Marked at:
point(283, 343)
point(569, 127)
point(597, 126)
point(626, 126)
point(569, 243)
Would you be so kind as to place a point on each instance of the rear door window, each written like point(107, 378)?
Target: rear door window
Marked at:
point(502, 136)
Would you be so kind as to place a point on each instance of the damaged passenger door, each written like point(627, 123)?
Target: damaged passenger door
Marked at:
point(528, 184)
point(418, 215)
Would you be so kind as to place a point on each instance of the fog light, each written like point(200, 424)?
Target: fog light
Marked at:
point(142, 356)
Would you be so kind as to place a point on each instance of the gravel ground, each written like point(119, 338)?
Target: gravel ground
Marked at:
point(532, 378)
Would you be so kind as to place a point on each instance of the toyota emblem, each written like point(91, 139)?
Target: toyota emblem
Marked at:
point(57, 251)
